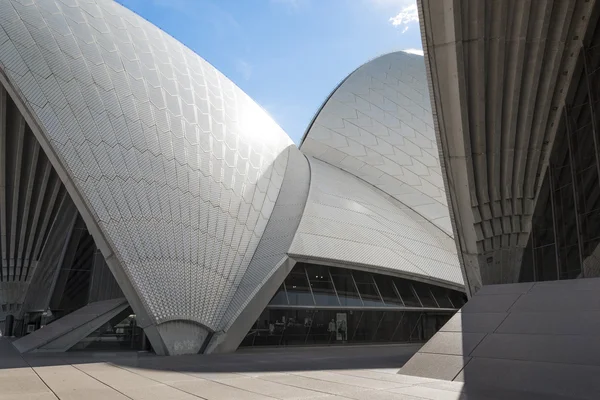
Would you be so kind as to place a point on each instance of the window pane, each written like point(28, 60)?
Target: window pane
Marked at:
point(367, 289)
point(320, 332)
point(321, 285)
point(424, 294)
point(296, 327)
point(367, 327)
point(404, 287)
point(280, 297)
point(344, 285)
point(297, 288)
point(403, 330)
point(441, 295)
point(458, 298)
point(386, 288)
point(387, 326)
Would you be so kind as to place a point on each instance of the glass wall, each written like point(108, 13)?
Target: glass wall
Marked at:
point(319, 305)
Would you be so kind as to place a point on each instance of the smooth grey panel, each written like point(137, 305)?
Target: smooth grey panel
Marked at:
point(493, 303)
point(573, 381)
point(558, 300)
point(474, 322)
point(517, 288)
point(552, 323)
point(453, 343)
point(84, 320)
point(436, 366)
point(571, 284)
point(574, 349)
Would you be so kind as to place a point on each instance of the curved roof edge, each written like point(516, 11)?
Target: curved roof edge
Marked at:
point(320, 108)
point(351, 222)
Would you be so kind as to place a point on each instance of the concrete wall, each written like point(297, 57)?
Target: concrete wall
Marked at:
point(540, 337)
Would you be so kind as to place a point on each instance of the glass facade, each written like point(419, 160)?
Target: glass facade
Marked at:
point(319, 305)
point(121, 333)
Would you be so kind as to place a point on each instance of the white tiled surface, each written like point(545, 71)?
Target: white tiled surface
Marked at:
point(178, 165)
point(277, 238)
point(378, 126)
point(349, 221)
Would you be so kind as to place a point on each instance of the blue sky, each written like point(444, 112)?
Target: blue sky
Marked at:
point(288, 55)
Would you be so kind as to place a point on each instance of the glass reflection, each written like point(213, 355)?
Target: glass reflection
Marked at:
point(297, 287)
point(280, 297)
point(320, 305)
point(441, 295)
point(388, 291)
point(425, 295)
point(344, 285)
point(407, 293)
point(322, 287)
point(367, 289)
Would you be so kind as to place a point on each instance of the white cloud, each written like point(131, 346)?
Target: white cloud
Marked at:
point(414, 51)
point(407, 15)
point(244, 68)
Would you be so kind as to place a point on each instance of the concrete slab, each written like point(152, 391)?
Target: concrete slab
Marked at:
point(67, 382)
point(557, 301)
point(492, 303)
point(570, 349)
point(474, 322)
point(571, 284)
point(552, 323)
point(249, 376)
point(271, 389)
point(453, 343)
point(216, 391)
point(317, 385)
point(436, 366)
point(514, 288)
point(544, 379)
point(22, 382)
point(357, 381)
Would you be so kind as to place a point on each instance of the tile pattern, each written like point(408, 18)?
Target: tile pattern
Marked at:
point(177, 165)
point(378, 126)
point(319, 373)
point(347, 220)
point(278, 236)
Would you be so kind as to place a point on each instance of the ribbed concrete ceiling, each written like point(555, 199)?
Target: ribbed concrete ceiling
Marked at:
point(499, 72)
point(30, 196)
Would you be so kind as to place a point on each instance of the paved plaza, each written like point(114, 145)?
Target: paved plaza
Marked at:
point(328, 373)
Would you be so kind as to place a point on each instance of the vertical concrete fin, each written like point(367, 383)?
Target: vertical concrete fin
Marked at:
point(3, 225)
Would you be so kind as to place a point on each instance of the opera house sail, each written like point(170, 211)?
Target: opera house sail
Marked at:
point(147, 202)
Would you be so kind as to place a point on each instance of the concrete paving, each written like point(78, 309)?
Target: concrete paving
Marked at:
point(326, 373)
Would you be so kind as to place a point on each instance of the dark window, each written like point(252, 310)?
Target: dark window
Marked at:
point(367, 327)
point(387, 326)
point(425, 295)
point(344, 285)
point(387, 290)
point(321, 285)
point(458, 298)
point(441, 295)
point(280, 297)
point(367, 289)
point(297, 288)
point(406, 292)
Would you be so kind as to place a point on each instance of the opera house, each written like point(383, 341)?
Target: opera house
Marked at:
point(450, 200)
point(148, 203)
